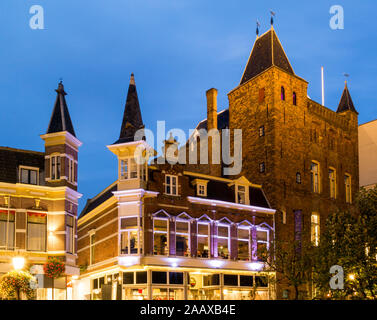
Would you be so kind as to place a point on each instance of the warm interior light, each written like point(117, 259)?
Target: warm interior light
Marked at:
point(18, 263)
point(351, 277)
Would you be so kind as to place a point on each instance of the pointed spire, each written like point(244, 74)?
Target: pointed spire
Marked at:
point(132, 120)
point(60, 118)
point(267, 52)
point(346, 102)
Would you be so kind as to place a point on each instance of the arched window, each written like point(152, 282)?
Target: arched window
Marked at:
point(282, 93)
point(294, 99)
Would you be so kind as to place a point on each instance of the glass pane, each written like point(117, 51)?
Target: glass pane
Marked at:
point(230, 280)
point(243, 250)
point(128, 223)
point(24, 176)
point(203, 229)
point(124, 243)
point(203, 249)
point(159, 277)
point(128, 278)
point(246, 281)
point(182, 227)
point(33, 177)
point(141, 277)
point(182, 245)
point(223, 231)
point(176, 277)
point(222, 248)
point(124, 169)
point(133, 168)
point(133, 242)
point(262, 235)
point(160, 225)
point(160, 244)
point(243, 234)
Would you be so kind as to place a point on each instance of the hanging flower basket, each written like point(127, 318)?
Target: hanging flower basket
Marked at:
point(54, 268)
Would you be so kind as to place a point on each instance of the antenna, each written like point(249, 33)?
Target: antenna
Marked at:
point(258, 25)
point(323, 87)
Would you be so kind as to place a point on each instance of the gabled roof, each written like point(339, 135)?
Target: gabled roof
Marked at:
point(346, 102)
point(222, 121)
point(267, 52)
point(60, 118)
point(132, 120)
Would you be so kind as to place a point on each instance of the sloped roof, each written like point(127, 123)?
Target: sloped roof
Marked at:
point(60, 118)
point(346, 102)
point(11, 159)
point(267, 52)
point(222, 121)
point(132, 120)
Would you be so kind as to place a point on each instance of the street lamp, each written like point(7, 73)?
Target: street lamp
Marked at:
point(18, 263)
point(351, 277)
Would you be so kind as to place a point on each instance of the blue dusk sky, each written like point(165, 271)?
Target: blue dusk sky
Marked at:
point(177, 49)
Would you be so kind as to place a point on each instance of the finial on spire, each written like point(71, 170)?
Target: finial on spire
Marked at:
point(132, 79)
point(60, 88)
point(346, 76)
point(258, 25)
point(272, 17)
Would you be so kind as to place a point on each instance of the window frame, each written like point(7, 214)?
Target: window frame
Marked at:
point(130, 230)
point(132, 163)
point(28, 168)
point(70, 239)
point(171, 185)
point(204, 188)
point(188, 234)
point(161, 232)
point(28, 233)
point(248, 228)
point(314, 174)
point(315, 229)
point(246, 193)
point(348, 191)
point(221, 237)
point(208, 236)
point(55, 167)
point(333, 183)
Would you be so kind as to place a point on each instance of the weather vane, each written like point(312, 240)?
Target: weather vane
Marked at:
point(258, 25)
point(60, 79)
point(346, 76)
point(272, 17)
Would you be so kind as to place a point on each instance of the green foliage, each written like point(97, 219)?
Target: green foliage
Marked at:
point(14, 283)
point(350, 241)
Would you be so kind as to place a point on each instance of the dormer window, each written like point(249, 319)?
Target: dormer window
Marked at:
point(171, 185)
point(29, 175)
point(55, 168)
point(242, 194)
point(202, 190)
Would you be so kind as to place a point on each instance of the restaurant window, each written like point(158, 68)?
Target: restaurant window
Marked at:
point(315, 229)
point(70, 234)
point(175, 277)
point(211, 280)
point(246, 281)
point(223, 241)
point(243, 243)
point(141, 277)
point(182, 238)
point(55, 167)
point(332, 183)
point(203, 239)
point(36, 231)
point(129, 235)
point(171, 187)
point(159, 277)
point(261, 281)
point(315, 177)
point(230, 280)
point(128, 277)
point(347, 184)
point(262, 241)
point(7, 229)
point(29, 176)
point(160, 236)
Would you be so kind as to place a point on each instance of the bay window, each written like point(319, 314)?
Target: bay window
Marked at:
point(223, 241)
point(129, 242)
point(160, 236)
point(36, 231)
point(243, 236)
point(203, 240)
point(182, 236)
point(7, 228)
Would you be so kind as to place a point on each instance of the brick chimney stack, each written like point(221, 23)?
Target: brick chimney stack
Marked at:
point(211, 109)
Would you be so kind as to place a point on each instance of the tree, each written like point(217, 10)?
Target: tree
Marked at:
point(16, 282)
point(350, 241)
point(291, 260)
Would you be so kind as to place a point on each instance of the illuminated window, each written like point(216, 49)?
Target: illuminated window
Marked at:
point(129, 235)
point(160, 236)
point(182, 238)
point(332, 183)
point(315, 177)
point(315, 229)
point(171, 187)
point(243, 236)
point(202, 190)
point(282, 94)
point(36, 232)
point(203, 239)
point(130, 169)
point(298, 178)
point(262, 167)
point(347, 184)
point(223, 241)
point(261, 131)
point(7, 230)
point(55, 167)
point(262, 241)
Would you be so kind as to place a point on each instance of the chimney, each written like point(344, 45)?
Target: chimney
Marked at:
point(211, 109)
